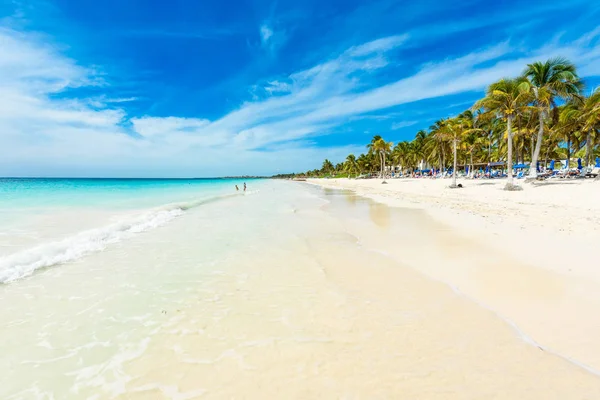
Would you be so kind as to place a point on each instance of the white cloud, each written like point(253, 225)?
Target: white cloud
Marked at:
point(278, 87)
point(379, 45)
point(48, 133)
point(155, 126)
point(271, 39)
point(28, 62)
point(265, 33)
point(403, 124)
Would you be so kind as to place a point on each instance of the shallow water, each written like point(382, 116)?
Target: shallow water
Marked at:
point(287, 292)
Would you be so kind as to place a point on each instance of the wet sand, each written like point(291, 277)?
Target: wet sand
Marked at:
point(361, 300)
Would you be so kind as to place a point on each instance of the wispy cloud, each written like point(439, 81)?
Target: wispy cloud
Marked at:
point(271, 40)
point(95, 135)
point(380, 45)
point(403, 124)
point(265, 33)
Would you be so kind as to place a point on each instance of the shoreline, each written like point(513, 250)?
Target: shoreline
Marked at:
point(482, 210)
point(546, 285)
point(353, 298)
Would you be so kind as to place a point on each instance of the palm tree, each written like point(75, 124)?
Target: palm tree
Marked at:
point(375, 139)
point(365, 162)
point(327, 167)
point(351, 165)
point(470, 135)
point(401, 154)
point(451, 129)
point(506, 98)
point(517, 116)
point(419, 144)
point(591, 123)
point(439, 135)
point(382, 148)
point(549, 81)
point(371, 149)
point(569, 125)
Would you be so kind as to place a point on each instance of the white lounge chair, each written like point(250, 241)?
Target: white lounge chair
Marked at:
point(593, 173)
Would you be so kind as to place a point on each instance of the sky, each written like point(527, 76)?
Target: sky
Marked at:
point(186, 88)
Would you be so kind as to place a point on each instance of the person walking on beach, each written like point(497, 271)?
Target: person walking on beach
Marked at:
point(244, 186)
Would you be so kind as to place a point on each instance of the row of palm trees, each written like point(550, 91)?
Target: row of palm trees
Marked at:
point(541, 115)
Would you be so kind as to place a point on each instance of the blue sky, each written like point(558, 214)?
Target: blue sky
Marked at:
point(150, 88)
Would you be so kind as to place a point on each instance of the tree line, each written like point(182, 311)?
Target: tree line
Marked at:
point(542, 115)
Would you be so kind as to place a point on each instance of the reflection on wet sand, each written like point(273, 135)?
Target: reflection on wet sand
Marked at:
point(345, 309)
point(540, 302)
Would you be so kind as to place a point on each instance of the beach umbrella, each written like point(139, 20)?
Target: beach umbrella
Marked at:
point(552, 165)
point(579, 166)
point(597, 162)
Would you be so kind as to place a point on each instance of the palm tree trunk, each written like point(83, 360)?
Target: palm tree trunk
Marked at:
point(443, 158)
point(588, 148)
point(568, 152)
point(509, 157)
point(538, 147)
point(454, 167)
point(382, 165)
point(471, 167)
point(532, 149)
point(490, 149)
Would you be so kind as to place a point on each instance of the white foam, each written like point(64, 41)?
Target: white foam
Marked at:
point(25, 263)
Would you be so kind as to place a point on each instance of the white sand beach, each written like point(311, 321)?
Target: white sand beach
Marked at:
point(530, 256)
point(297, 291)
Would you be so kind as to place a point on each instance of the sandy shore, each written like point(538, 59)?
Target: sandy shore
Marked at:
point(303, 292)
point(346, 308)
point(539, 274)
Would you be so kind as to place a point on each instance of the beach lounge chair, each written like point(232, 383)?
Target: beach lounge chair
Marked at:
point(593, 173)
point(582, 173)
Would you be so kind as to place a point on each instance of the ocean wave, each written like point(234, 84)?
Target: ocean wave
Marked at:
point(25, 263)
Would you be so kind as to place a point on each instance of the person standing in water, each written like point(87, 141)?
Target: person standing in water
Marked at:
point(237, 189)
point(244, 186)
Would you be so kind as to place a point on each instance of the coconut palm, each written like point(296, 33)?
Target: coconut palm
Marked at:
point(551, 80)
point(507, 98)
point(401, 154)
point(438, 133)
point(471, 135)
point(327, 167)
point(419, 144)
point(371, 150)
point(519, 117)
point(370, 146)
point(570, 126)
point(591, 123)
point(365, 162)
point(452, 129)
point(351, 165)
point(382, 148)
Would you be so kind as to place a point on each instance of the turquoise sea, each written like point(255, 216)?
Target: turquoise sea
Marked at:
point(43, 194)
point(44, 222)
point(90, 267)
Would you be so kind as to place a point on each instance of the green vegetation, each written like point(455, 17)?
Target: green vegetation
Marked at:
point(542, 115)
